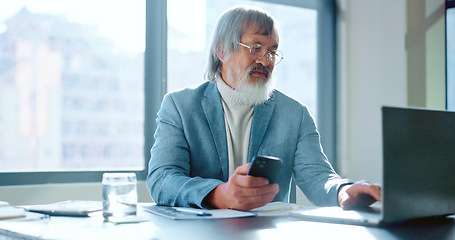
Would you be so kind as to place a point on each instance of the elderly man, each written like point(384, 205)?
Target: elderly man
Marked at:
point(206, 136)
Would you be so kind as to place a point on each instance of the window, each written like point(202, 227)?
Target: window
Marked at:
point(97, 115)
point(71, 89)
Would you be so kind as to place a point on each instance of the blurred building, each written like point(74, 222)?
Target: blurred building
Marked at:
point(70, 99)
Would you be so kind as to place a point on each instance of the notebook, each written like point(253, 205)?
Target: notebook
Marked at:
point(7, 211)
point(74, 208)
point(418, 171)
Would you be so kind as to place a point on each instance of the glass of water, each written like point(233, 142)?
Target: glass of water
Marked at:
point(119, 195)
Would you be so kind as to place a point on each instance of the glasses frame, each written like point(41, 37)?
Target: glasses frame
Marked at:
point(270, 54)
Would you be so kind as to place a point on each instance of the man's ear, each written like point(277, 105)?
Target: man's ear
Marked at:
point(220, 53)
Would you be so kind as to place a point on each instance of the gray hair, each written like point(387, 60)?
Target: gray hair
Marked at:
point(230, 28)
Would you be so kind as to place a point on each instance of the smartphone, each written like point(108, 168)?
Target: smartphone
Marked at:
point(266, 167)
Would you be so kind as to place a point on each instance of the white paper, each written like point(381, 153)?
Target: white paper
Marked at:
point(172, 213)
point(276, 209)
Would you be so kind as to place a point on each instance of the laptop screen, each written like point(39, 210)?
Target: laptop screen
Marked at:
point(419, 163)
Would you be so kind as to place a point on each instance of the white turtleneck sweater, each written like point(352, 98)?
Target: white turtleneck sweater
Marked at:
point(238, 117)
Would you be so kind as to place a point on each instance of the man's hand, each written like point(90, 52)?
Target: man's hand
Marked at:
point(242, 192)
point(358, 195)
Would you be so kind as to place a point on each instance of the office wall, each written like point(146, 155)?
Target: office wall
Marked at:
point(381, 47)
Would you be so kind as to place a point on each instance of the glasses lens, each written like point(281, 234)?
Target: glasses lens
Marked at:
point(277, 57)
point(257, 51)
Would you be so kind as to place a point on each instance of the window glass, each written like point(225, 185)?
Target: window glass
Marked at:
point(71, 85)
point(450, 58)
point(190, 24)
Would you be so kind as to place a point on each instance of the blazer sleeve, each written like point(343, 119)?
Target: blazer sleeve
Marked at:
point(313, 172)
point(169, 180)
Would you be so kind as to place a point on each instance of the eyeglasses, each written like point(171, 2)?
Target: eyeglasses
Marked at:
point(258, 51)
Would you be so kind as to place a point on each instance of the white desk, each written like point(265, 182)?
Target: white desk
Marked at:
point(157, 227)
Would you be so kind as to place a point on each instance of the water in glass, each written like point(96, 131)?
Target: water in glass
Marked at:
point(119, 195)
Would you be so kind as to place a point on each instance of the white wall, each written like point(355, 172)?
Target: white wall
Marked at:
point(372, 73)
point(374, 48)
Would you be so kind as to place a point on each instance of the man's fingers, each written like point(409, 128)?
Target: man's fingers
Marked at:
point(270, 189)
point(255, 197)
point(244, 180)
point(250, 181)
point(247, 192)
point(242, 170)
point(375, 192)
point(359, 194)
point(260, 190)
point(365, 188)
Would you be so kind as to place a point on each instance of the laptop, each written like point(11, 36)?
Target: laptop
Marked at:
point(418, 171)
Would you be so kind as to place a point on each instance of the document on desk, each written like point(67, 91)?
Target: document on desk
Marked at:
point(276, 209)
point(180, 213)
point(7, 211)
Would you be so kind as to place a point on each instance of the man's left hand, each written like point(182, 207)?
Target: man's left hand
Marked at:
point(358, 195)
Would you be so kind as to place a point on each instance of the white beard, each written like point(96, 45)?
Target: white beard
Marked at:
point(254, 93)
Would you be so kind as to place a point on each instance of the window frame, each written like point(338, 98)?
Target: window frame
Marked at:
point(56, 177)
point(449, 4)
point(155, 77)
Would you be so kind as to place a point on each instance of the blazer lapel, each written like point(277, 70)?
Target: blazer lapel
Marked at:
point(261, 119)
point(213, 110)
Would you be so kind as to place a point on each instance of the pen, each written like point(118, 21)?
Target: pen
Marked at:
point(198, 212)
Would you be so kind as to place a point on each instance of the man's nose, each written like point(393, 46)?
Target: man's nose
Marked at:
point(264, 60)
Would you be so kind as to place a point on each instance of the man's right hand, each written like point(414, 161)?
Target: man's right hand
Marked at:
point(242, 192)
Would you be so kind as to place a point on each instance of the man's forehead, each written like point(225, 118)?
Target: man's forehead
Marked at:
point(258, 30)
point(254, 34)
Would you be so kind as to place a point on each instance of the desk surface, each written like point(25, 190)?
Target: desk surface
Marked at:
point(283, 227)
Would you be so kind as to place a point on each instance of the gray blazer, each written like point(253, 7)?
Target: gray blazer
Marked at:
point(190, 155)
